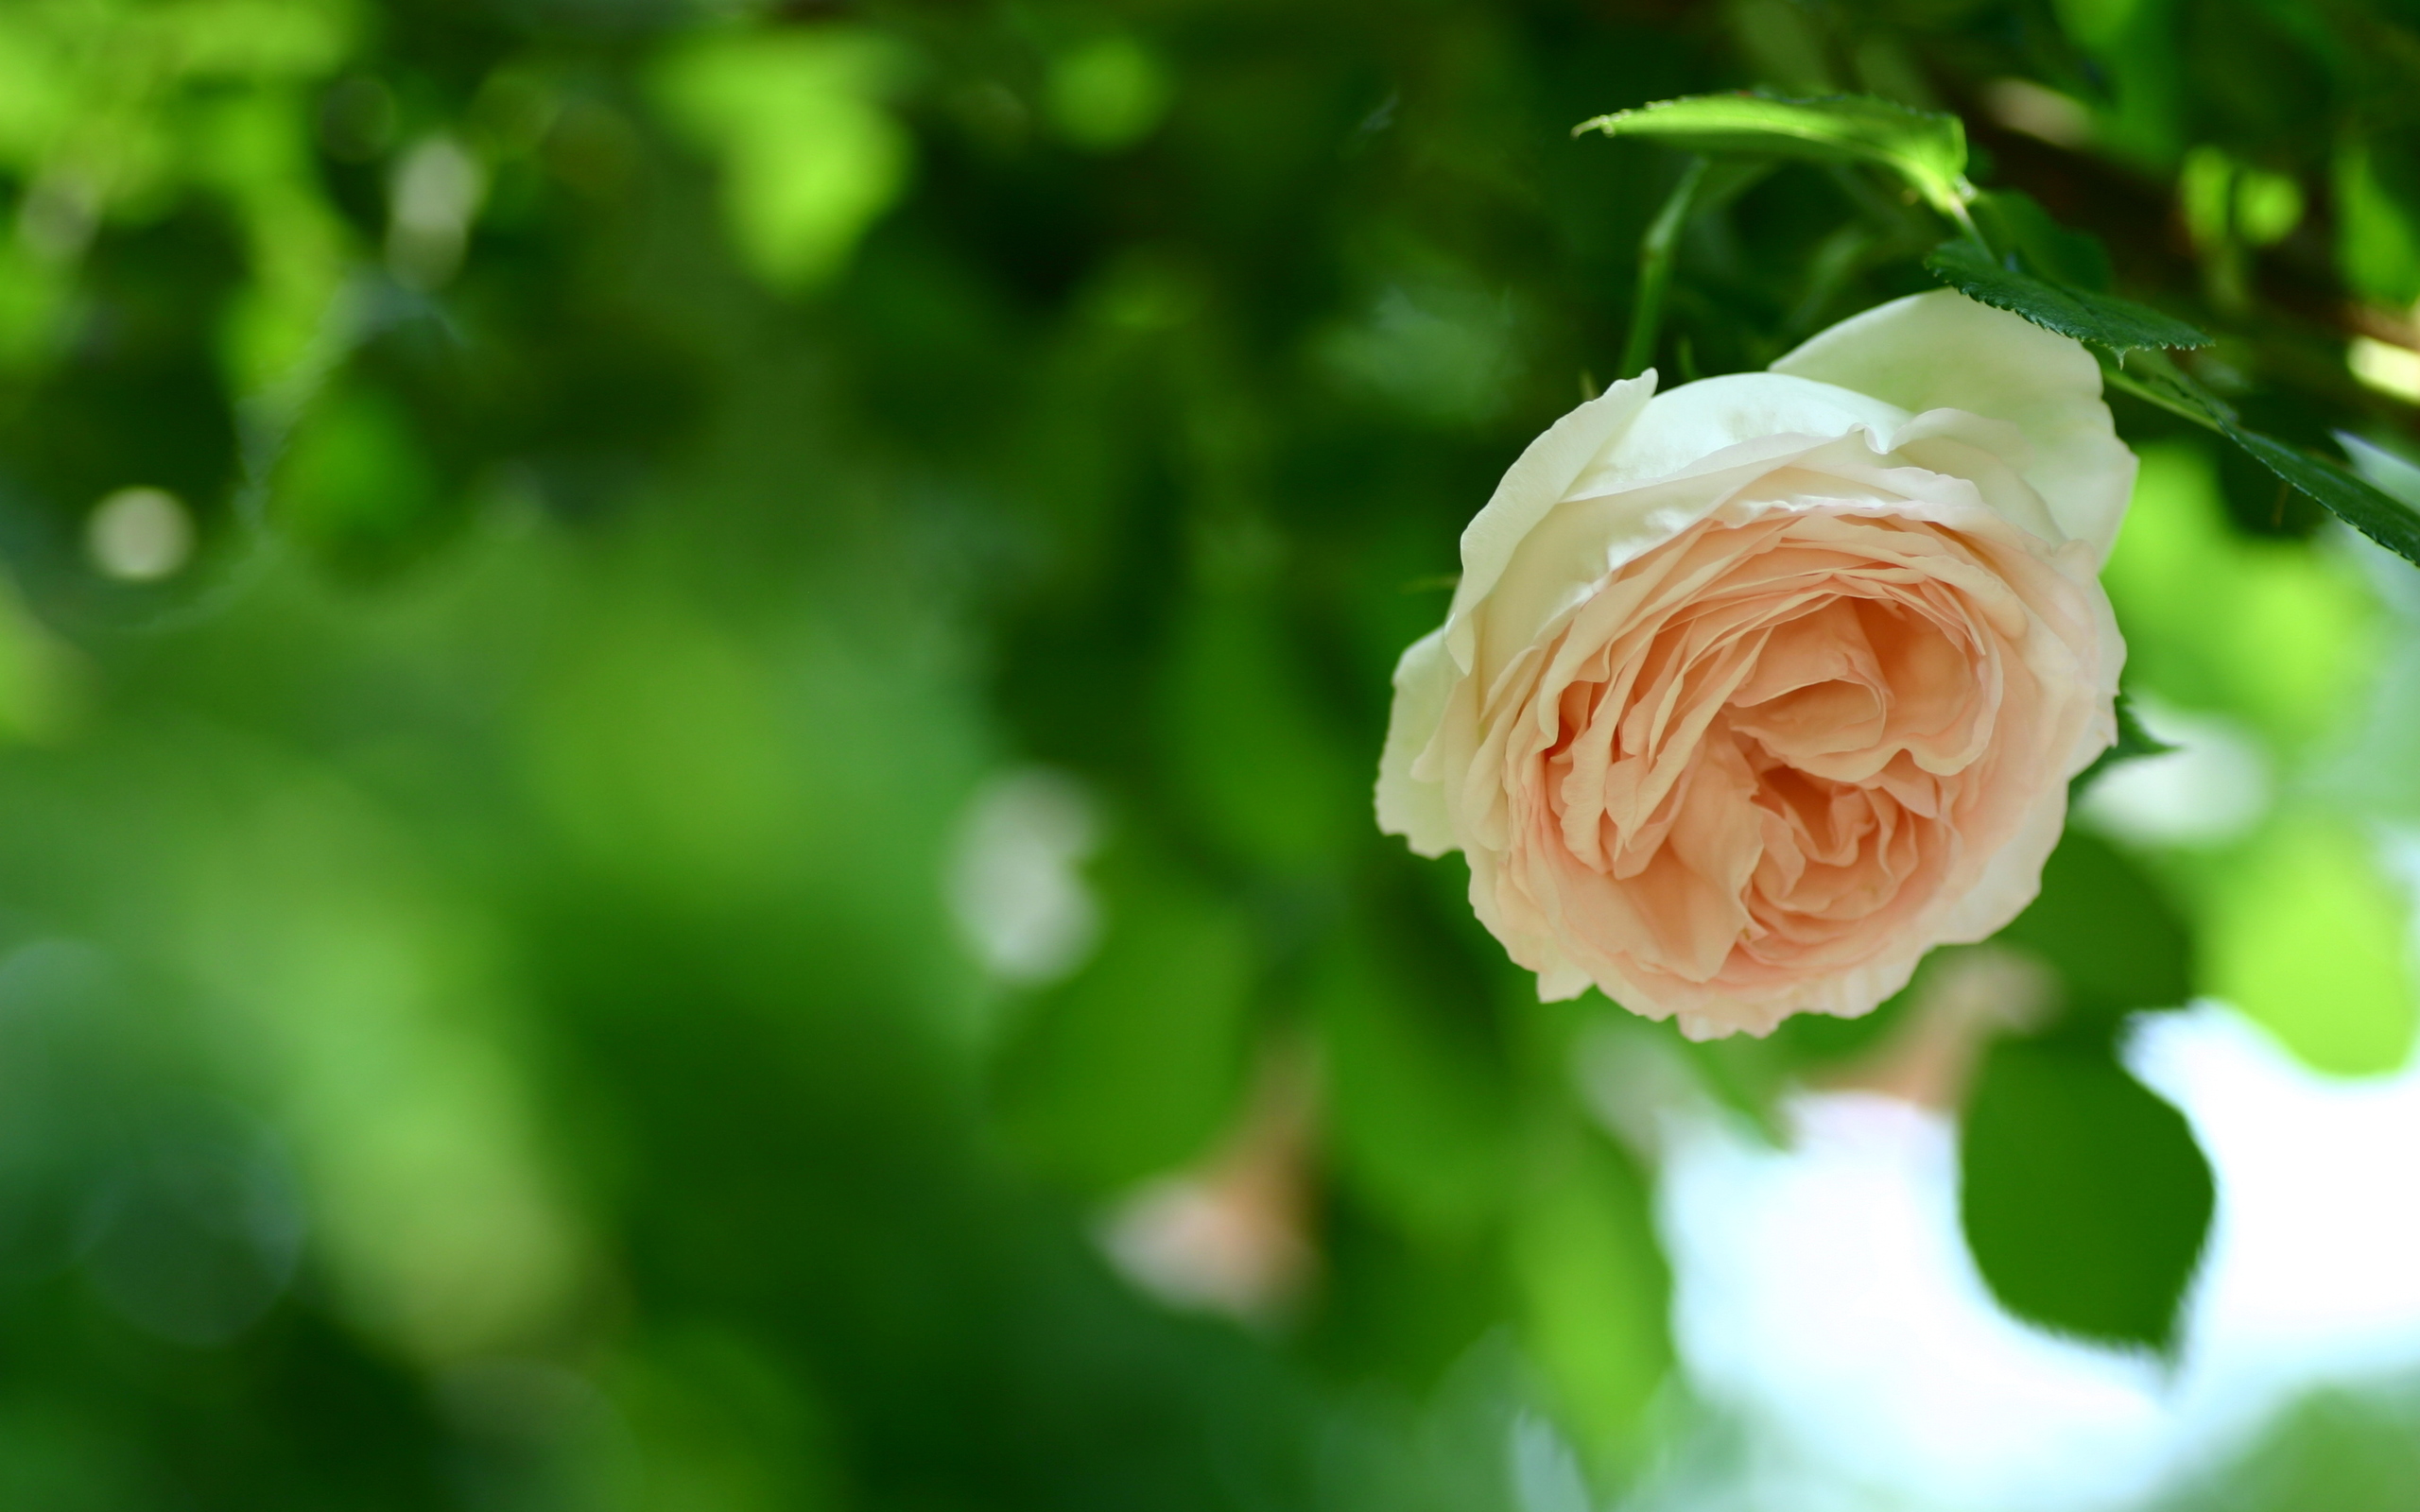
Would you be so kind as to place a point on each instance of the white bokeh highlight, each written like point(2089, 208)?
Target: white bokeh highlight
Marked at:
point(1015, 883)
point(2212, 788)
point(139, 535)
point(1824, 1299)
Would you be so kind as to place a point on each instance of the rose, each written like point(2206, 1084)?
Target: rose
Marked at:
point(1755, 691)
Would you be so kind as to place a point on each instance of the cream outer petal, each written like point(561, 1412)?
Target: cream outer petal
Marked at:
point(1687, 424)
point(1415, 809)
point(1541, 478)
point(1942, 351)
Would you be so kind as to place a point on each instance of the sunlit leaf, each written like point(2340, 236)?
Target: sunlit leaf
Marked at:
point(1927, 149)
point(2352, 1447)
point(2104, 320)
point(1593, 1287)
point(2309, 938)
point(809, 155)
point(2377, 247)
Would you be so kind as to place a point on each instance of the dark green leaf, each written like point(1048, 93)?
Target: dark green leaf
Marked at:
point(2104, 320)
point(1927, 149)
point(2084, 1198)
point(1248, 742)
point(1751, 1075)
point(1134, 1066)
point(2106, 929)
point(2384, 519)
point(1418, 1115)
point(2378, 515)
point(2011, 217)
point(2133, 742)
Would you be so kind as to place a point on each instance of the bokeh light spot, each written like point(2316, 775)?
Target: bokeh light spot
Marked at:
point(139, 535)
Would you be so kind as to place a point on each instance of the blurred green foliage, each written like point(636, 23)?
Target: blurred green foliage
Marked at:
point(484, 1021)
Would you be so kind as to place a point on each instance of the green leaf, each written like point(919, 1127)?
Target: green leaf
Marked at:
point(1927, 149)
point(2384, 519)
point(2346, 1448)
point(2107, 930)
point(2134, 742)
point(1418, 1117)
point(2012, 218)
point(810, 157)
point(1134, 1066)
point(1751, 1076)
point(2307, 936)
point(1593, 1286)
point(2351, 498)
point(2084, 1198)
point(1250, 741)
point(2104, 320)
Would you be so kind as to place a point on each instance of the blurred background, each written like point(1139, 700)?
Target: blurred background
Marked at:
point(689, 694)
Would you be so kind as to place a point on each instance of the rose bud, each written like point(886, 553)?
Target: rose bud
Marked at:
point(1755, 691)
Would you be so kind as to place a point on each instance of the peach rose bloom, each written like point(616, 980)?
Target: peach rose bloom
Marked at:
point(1755, 691)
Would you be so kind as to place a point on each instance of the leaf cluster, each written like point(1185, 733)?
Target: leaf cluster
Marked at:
point(1926, 151)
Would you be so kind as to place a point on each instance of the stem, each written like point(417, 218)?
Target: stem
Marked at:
point(1655, 269)
point(1955, 205)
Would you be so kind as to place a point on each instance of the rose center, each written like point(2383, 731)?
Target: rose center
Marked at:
point(1840, 692)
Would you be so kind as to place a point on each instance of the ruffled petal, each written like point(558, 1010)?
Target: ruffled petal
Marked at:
point(1943, 351)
